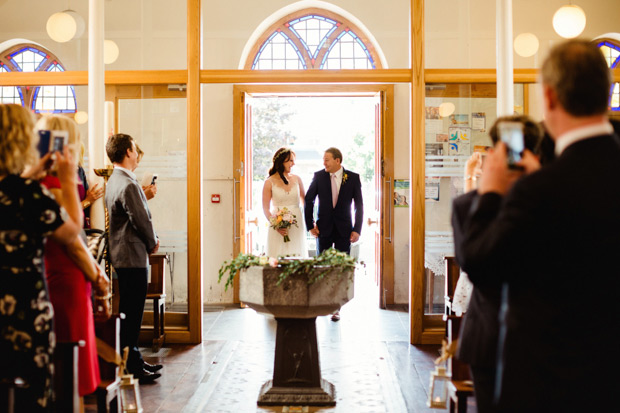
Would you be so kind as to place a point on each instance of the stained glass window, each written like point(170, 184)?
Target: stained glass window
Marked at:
point(33, 58)
point(304, 40)
point(9, 94)
point(611, 52)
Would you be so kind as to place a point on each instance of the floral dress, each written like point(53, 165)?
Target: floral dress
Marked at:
point(28, 213)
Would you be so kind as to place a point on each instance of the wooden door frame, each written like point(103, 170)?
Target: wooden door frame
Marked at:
point(387, 136)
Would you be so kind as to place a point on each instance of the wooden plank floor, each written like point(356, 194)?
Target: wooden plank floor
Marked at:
point(366, 355)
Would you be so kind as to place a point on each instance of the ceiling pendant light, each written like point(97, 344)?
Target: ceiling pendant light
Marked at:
point(61, 27)
point(526, 44)
point(569, 21)
point(110, 52)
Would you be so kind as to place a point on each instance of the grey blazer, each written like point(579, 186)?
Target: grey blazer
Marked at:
point(131, 236)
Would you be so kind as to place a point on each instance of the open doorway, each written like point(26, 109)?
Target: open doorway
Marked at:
point(351, 119)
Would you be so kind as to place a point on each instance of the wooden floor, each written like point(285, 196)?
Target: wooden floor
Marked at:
point(366, 355)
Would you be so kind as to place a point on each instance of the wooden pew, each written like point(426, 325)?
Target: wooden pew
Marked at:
point(453, 272)
point(108, 392)
point(460, 386)
point(156, 291)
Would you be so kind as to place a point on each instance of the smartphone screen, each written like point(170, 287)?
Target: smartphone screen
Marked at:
point(59, 140)
point(44, 142)
point(154, 179)
point(511, 133)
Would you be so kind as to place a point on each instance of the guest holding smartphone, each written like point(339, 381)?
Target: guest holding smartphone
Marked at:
point(28, 216)
point(70, 271)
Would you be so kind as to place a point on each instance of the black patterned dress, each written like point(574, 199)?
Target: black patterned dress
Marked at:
point(28, 214)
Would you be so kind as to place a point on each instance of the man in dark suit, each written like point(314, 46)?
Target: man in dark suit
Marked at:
point(478, 338)
point(553, 237)
point(131, 240)
point(337, 190)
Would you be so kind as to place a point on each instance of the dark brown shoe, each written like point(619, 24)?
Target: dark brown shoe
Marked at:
point(146, 377)
point(152, 367)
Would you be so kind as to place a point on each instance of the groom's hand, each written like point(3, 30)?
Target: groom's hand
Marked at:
point(354, 237)
point(314, 231)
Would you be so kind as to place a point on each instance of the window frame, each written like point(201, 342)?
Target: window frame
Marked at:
point(313, 63)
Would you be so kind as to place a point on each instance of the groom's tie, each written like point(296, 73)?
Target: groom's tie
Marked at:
point(334, 190)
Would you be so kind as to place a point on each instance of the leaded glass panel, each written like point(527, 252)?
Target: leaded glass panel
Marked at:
point(313, 31)
point(347, 52)
point(28, 59)
point(57, 99)
point(278, 53)
point(611, 53)
point(615, 97)
point(9, 94)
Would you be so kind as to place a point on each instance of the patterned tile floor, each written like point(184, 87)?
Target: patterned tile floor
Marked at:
point(366, 355)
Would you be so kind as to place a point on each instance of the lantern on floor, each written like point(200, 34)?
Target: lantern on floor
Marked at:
point(438, 392)
point(130, 394)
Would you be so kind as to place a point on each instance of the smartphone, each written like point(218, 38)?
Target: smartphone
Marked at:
point(154, 179)
point(59, 139)
point(44, 142)
point(511, 133)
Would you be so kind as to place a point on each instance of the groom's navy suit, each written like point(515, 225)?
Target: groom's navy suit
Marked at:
point(335, 224)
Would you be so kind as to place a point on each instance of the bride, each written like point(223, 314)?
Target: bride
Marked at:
point(283, 189)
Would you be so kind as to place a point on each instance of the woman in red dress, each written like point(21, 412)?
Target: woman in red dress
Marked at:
point(69, 273)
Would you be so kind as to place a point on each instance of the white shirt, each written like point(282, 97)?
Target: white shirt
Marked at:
point(338, 174)
point(579, 134)
point(131, 174)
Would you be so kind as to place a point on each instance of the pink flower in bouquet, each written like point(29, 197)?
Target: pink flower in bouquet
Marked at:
point(273, 261)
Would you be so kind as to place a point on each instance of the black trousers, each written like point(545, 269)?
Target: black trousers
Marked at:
point(341, 243)
point(132, 284)
point(484, 388)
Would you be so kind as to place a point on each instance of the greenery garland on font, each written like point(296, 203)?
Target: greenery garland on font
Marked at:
point(330, 259)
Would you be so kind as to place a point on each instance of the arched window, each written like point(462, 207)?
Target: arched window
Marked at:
point(313, 39)
point(26, 57)
point(611, 51)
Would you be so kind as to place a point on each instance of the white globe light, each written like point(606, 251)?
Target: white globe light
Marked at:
point(61, 27)
point(79, 23)
point(526, 44)
point(81, 117)
point(110, 52)
point(569, 21)
point(446, 109)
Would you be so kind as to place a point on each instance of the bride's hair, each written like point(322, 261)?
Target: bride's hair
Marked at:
point(282, 155)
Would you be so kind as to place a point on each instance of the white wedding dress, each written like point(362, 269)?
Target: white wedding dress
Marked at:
point(296, 247)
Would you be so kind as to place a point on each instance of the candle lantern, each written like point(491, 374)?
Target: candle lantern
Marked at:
point(130, 394)
point(438, 392)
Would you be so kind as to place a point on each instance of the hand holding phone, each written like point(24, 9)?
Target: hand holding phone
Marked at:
point(511, 133)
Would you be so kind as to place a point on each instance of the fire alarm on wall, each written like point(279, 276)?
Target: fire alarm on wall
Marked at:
point(215, 198)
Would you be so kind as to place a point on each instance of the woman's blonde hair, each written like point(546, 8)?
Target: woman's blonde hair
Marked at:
point(17, 139)
point(60, 122)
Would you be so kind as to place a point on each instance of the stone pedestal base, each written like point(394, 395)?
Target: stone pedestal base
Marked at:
point(297, 396)
point(296, 372)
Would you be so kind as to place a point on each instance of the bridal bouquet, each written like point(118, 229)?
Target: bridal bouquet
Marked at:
point(283, 219)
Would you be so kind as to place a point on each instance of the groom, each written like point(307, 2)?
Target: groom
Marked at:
point(336, 188)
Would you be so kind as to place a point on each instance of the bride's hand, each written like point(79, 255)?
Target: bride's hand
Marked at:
point(283, 231)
